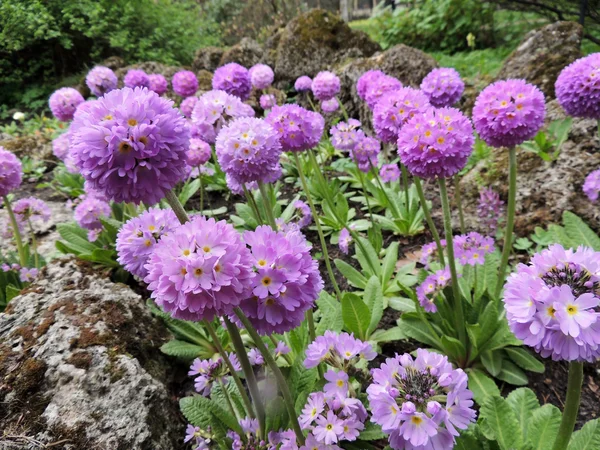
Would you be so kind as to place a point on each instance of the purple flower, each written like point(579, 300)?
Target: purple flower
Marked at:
point(255, 357)
point(490, 209)
point(238, 188)
point(339, 350)
point(89, 211)
point(60, 146)
point(233, 79)
point(577, 87)
point(431, 287)
point(261, 76)
point(338, 382)
point(365, 153)
point(366, 80)
point(552, 303)
point(303, 84)
point(401, 399)
point(101, 80)
point(187, 106)
point(136, 78)
point(508, 113)
point(191, 432)
point(389, 173)
point(287, 280)
point(249, 149)
point(396, 108)
point(10, 172)
point(158, 83)
point(64, 102)
point(429, 253)
point(345, 135)
point(379, 88)
point(311, 443)
point(328, 428)
point(131, 145)
point(31, 209)
point(281, 349)
point(214, 110)
point(330, 106)
point(267, 101)
point(298, 128)
point(199, 152)
point(305, 213)
point(437, 143)
point(138, 237)
point(185, 83)
point(344, 240)
point(28, 275)
point(207, 372)
point(443, 87)
point(470, 249)
point(325, 85)
point(591, 186)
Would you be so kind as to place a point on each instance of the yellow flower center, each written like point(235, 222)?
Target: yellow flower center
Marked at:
point(572, 310)
point(266, 281)
point(416, 420)
point(132, 122)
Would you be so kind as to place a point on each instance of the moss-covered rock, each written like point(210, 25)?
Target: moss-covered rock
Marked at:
point(247, 52)
point(207, 58)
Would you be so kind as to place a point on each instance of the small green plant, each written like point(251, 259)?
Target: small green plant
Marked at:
point(33, 169)
point(547, 144)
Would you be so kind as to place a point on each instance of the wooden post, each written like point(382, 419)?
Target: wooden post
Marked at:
point(344, 10)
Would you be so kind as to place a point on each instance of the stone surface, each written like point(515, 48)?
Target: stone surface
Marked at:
point(543, 53)
point(247, 52)
point(207, 58)
point(80, 365)
point(35, 147)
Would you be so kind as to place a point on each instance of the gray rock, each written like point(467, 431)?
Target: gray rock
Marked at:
point(207, 58)
point(247, 52)
point(80, 363)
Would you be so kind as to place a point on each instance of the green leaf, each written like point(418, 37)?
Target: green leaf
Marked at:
point(588, 438)
point(355, 278)
point(453, 347)
point(492, 361)
point(189, 331)
point(579, 232)
point(373, 297)
point(368, 256)
point(525, 359)
point(198, 410)
point(182, 349)
point(482, 386)
point(413, 327)
point(512, 374)
point(188, 191)
point(277, 415)
point(467, 442)
point(389, 262)
point(523, 402)
point(331, 314)
point(11, 292)
point(389, 335)
point(499, 422)
point(543, 427)
point(75, 237)
point(356, 315)
point(372, 432)
point(402, 304)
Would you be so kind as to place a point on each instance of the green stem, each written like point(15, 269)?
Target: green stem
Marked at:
point(201, 191)
point(344, 112)
point(177, 207)
point(36, 256)
point(312, 105)
point(319, 230)
point(569, 416)
point(364, 188)
point(392, 205)
point(282, 383)
point(429, 220)
point(405, 185)
point(458, 306)
point(267, 204)
point(510, 217)
point(234, 375)
point(240, 351)
point(253, 205)
point(458, 199)
point(16, 233)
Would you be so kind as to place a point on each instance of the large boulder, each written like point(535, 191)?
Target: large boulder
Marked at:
point(80, 364)
point(543, 53)
point(207, 58)
point(247, 52)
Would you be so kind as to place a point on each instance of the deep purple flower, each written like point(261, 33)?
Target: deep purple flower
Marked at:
point(298, 128)
point(490, 209)
point(185, 83)
point(233, 79)
point(287, 280)
point(89, 211)
point(591, 186)
point(101, 80)
point(267, 101)
point(200, 270)
point(578, 89)
point(402, 399)
point(365, 153)
point(389, 173)
point(344, 240)
point(158, 83)
point(552, 303)
point(509, 112)
point(303, 84)
point(136, 78)
point(304, 212)
point(138, 237)
point(366, 80)
point(131, 145)
point(431, 287)
point(325, 85)
point(261, 76)
point(330, 106)
point(339, 350)
point(443, 87)
point(345, 135)
point(199, 152)
point(11, 172)
point(60, 146)
point(28, 275)
point(470, 249)
point(187, 106)
point(31, 209)
point(437, 143)
point(395, 109)
point(379, 87)
point(64, 102)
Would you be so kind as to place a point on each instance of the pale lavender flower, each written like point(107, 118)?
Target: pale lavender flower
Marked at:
point(60, 146)
point(11, 172)
point(431, 287)
point(303, 84)
point(389, 173)
point(298, 128)
point(233, 79)
point(325, 86)
point(330, 106)
point(591, 186)
point(379, 88)
point(305, 213)
point(261, 76)
point(187, 106)
point(31, 209)
point(64, 102)
point(255, 357)
point(345, 135)
point(199, 153)
point(28, 275)
point(136, 78)
point(185, 83)
point(339, 350)
point(101, 80)
point(89, 211)
point(158, 83)
point(470, 249)
point(395, 109)
point(366, 153)
point(577, 87)
point(344, 241)
point(443, 87)
point(267, 101)
point(490, 209)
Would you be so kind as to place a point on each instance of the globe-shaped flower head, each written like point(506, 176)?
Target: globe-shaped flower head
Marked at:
point(345, 135)
point(389, 173)
point(287, 280)
point(325, 85)
point(403, 399)
point(365, 153)
point(379, 88)
point(199, 152)
point(437, 143)
point(185, 83)
point(365, 81)
point(508, 113)
point(267, 101)
point(88, 213)
point(31, 209)
point(298, 128)
point(248, 149)
point(552, 303)
point(187, 106)
point(591, 186)
point(131, 145)
point(136, 78)
point(60, 146)
point(158, 83)
point(303, 84)
point(578, 87)
point(101, 80)
point(138, 237)
point(443, 87)
point(394, 109)
point(64, 102)
point(261, 76)
point(200, 270)
point(11, 172)
point(330, 106)
point(233, 79)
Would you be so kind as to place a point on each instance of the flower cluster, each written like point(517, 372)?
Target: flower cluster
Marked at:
point(256, 358)
point(365, 153)
point(136, 78)
point(431, 287)
point(404, 401)
point(578, 89)
point(11, 172)
point(131, 145)
point(304, 212)
point(233, 79)
point(261, 76)
point(395, 109)
point(158, 83)
point(287, 280)
point(252, 441)
point(207, 372)
point(64, 102)
point(214, 110)
point(88, 213)
point(199, 153)
point(60, 146)
point(437, 143)
point(339, 350)
point(552, 303)
point(138, 237)
point(325, 86)
point(389, 173)
point(509, 112)
point(31, 209)
point(330, 106)
point(470, 249)
point(200, 270)
point(267, 101)
point(366, 80)
point(591, 186)
point(101, 80)
point(378, 87)
point(200, 438)
point(490, 209)
point(429, 253)
point(298, 128)
point(345, 135)
point(443, 87)
point(344, 241)
point(185, 83)
point(187, 106)
point(303, 84)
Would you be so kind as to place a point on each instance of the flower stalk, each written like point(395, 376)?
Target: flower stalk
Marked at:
point(510, 217)
point(429, 220)
point(16, 233)
point(569, 416)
